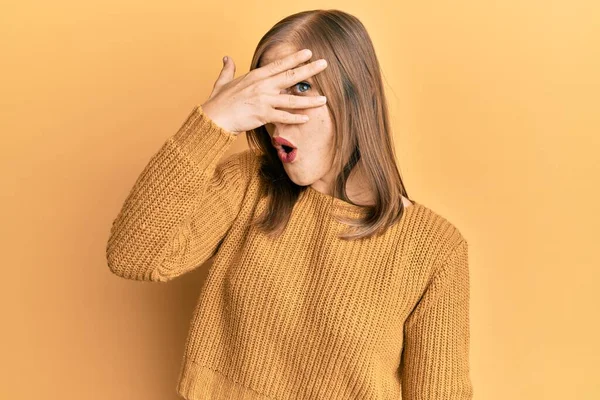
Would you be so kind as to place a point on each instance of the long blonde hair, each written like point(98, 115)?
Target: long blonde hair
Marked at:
point(358, 108)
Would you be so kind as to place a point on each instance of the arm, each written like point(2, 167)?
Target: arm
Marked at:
point(435, 359)
point(181, 205)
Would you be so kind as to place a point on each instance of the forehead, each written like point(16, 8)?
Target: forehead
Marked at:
point(278, 51)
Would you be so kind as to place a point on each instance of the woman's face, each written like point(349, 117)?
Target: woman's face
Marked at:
point(313, 139)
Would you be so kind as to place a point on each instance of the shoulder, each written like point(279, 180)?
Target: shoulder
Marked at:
point(438, 235)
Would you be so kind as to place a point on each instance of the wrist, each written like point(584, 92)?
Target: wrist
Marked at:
point(217, 119)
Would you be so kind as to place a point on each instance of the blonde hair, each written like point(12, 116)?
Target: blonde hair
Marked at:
point(358, 109)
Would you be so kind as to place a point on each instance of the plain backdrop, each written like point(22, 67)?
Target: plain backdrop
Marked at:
point(495, 113)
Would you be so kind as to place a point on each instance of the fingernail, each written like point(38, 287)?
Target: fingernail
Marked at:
point(322, 98)
point(225, 59)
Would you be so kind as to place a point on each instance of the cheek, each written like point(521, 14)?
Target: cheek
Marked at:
point(321, 128)
point(319, 119)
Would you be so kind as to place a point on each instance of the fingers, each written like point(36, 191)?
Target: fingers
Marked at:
point(286, 117)
point(290, 77)
point(282, 64)
point(291, 101)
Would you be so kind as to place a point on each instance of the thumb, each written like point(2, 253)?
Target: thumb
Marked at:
point(227, 72)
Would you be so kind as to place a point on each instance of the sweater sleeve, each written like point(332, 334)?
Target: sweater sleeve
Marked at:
point(181, 205)
point(435, 359)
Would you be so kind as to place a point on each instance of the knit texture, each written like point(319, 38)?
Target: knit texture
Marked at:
point(306, 315)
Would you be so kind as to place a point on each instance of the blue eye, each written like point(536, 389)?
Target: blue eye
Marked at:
point(305, 84)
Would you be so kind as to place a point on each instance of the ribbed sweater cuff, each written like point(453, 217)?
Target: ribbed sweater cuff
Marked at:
point(200, 136)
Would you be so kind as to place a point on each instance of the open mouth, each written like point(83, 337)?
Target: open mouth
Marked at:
point(287, 153)
point(285, 149)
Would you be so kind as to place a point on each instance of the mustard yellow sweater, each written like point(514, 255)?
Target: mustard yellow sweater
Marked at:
point(306, 315)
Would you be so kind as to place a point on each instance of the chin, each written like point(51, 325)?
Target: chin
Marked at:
point(298, 182)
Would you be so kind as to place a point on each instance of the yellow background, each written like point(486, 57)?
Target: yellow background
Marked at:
point(496, 117)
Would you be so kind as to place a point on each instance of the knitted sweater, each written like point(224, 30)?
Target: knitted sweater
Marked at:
point(306, 315)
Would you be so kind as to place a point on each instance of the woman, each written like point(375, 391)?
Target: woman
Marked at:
point(296, 305)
